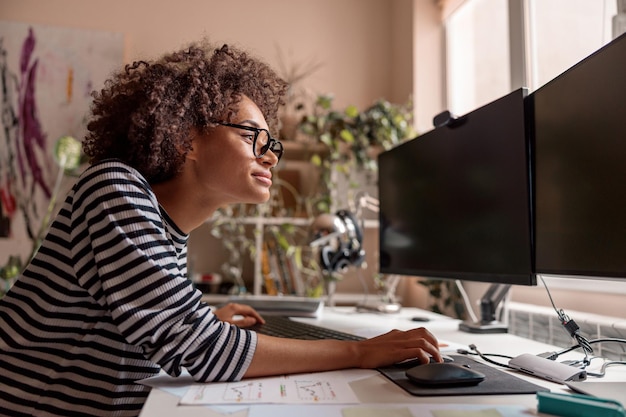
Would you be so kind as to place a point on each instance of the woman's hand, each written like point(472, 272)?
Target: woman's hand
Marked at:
point(240, 315)
point(396, 346)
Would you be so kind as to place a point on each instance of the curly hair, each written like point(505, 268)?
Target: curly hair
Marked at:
point(145, 113)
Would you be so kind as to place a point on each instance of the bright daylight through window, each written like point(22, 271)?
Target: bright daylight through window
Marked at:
point(488, 41)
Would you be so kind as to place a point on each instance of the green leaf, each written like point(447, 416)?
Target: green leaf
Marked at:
point(325, 101)
point(347, 136)
point(316, 160)
point(282, 241)
point(352, 111)
point(327, 139)
point(297, 257)
point(67, 153)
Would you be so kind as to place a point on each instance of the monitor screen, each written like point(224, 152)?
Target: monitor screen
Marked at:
point(454, 202)
point(580, 167)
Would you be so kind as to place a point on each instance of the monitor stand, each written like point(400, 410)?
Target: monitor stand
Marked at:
point(489, 303)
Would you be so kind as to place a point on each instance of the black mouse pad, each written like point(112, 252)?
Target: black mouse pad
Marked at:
point(497, 382)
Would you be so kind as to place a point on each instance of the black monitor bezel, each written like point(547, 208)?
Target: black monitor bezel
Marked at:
point(529, 278)
point(560, 82)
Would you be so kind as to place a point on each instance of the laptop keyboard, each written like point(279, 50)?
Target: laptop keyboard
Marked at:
point(279, 326)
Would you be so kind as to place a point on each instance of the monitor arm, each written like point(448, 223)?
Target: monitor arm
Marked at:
point(489, 303)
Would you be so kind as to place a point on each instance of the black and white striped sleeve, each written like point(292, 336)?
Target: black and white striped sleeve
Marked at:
point(125, 258)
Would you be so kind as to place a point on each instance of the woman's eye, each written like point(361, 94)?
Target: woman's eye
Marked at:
point(248, 137)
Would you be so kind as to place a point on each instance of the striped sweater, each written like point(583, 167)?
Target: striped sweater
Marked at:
point(106, 302)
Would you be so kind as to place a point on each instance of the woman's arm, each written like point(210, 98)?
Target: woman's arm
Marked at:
point(276, 356)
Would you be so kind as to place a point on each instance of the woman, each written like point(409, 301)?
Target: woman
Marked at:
point(105, 302)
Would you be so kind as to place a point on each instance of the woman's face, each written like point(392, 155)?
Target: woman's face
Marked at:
point(226, 168)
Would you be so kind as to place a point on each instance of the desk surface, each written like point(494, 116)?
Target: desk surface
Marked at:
point(373, 388)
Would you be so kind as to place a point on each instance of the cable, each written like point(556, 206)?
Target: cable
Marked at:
point(485, 356)
point(603, 368)
point(554, 355)
point(570, 325)
point(586, 362)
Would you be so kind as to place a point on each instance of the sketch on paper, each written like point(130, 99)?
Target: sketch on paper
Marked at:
point(318, 388)
point(47, 75)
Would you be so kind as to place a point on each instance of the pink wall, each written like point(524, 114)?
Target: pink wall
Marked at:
point(369, 49)
point(353, 39)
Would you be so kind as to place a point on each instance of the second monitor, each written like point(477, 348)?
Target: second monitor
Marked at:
point(455, 201)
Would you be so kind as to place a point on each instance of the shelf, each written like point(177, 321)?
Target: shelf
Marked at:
point(259, 223)
point(340, 299)
point(296, 221)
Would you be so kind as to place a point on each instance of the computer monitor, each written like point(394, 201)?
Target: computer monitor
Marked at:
point(455, 201)
point(580, 168)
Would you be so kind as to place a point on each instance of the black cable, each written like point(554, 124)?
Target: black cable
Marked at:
point(571, 326)
point(467, 352)
point(580, 364)
point(587, 361)
point(484, 356)
point(555, 355)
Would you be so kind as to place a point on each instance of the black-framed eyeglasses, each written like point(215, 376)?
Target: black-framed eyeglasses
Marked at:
point(262, 141)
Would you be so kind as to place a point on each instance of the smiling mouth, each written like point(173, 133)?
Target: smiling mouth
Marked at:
point(265, 179)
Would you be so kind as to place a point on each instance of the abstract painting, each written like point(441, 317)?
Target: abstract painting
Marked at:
point(47, 75)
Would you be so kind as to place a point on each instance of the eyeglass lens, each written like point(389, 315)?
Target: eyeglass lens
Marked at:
point(263, 142)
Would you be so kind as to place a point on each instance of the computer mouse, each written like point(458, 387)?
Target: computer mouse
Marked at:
point(444, 374)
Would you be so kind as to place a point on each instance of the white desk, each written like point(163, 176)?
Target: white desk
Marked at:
point(372, 387)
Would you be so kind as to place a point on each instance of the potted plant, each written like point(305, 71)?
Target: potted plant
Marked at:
point(353, 140)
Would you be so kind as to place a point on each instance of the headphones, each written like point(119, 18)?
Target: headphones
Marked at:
point(346, 246)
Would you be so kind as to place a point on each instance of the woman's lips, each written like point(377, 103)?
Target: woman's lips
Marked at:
point(264, 177)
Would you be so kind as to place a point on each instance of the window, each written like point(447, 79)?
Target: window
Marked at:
point(489, 43)
point(477, 54)
point(562, 32)
point(553, 35)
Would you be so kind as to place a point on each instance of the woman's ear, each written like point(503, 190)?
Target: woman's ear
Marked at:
point(193, 145)
point(192, 154)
